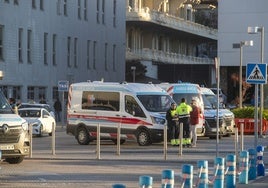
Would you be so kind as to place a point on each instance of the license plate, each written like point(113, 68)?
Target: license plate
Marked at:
point(7, 147)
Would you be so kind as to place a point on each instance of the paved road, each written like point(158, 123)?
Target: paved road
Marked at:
point(76, 165)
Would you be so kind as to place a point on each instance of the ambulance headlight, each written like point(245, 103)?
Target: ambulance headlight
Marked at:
point(157, 120)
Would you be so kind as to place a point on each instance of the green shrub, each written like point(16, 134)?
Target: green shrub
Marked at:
point(248, 112)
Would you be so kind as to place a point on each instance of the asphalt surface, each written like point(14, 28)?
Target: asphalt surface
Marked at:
point(138, 156)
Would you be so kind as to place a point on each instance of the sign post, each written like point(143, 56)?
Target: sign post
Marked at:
point(256, 74)
point(63, 85)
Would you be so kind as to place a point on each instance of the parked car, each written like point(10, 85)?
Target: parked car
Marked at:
point(41, 120)
point(38, 105)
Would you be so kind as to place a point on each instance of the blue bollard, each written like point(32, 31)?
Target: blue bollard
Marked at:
point(231, 173)
point(252, 172)
point(219, 172)
point(187, 175)
point(260, 165)
point(243, 167)
point(167, 179)
point(145, 182)
point(118, 186)
point(203, 174)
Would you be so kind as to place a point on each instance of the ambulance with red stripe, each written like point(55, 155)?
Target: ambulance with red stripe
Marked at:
point(138, 109)
point(188, 91)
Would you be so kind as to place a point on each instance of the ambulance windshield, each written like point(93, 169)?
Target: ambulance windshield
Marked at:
point(156, 103)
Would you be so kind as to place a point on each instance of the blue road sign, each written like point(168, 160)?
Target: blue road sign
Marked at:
point(63, 85)
point(256, 73)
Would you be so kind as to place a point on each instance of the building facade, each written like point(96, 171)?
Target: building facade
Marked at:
point(164, 36)
point(43, 42)
point(234, 18)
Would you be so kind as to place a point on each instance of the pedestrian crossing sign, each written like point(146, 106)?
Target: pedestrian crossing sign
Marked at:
point(256, 73)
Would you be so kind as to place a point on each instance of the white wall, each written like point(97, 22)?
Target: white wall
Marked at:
point(234, 18)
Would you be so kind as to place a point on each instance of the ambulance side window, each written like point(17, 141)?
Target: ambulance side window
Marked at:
point(132, 107)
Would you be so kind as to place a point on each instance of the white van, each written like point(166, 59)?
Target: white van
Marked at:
point(139, 108)
point(14, 134)
point(187, 91)
point(226, 117)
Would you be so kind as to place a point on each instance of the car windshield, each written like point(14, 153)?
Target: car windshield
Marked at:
point(5, 108)
point(188, 96)
point(30, 113)
point(156, 103)
point(210, 102)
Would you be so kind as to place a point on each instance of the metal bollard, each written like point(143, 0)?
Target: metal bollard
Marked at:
point(219, 172)
point(145, 182)
point(252, 173)
point(260, 165)
point(231, 171)
point(118, 186)
point(203, 174)
point(187, 175)
point(243, 167)
point(167, 179)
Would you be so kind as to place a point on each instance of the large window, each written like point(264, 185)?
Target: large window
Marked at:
point(88, 54)
point(75, 52)
point(45, 48)
point(85, 9)
point(114, 57)
point(105, 56)
point(41, 4)
point(65, 7)
point(30, 93)
point(54, 47)
point(108, 101)
point(79, 9)
point(103, 11)
point(69, 51)
point(29, 46)
point(20, 55)
point(114, 13)
point(94, 54)
point(1, 42)
point(98, 12)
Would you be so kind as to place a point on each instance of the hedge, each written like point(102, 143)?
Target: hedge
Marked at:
point(248, 112)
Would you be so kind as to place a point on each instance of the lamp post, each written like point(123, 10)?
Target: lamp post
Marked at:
point(255, 30)
point(240, 45)
point(133, 68)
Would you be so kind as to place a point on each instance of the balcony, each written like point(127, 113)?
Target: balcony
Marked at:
point(146, 54)
point(170, 21)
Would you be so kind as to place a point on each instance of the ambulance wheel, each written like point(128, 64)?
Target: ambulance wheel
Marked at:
point(82, 136)
point(143, 138)
point(122, 141)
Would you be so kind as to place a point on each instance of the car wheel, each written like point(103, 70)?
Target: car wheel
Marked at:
point(15, 160)
point(122, 141)
point(40, 131)
point(143, 138)
point(82, 136)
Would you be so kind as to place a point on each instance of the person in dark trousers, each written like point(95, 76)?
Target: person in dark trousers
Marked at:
point(183, 111)
point(172, 119)
point(194, 121)
point(58, 109)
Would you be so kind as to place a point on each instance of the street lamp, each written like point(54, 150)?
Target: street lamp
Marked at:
point(133, 68)
point(240, 45)
point(255, 30)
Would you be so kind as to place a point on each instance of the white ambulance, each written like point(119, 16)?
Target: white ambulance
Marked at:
point(139, 108)
point(188, 91)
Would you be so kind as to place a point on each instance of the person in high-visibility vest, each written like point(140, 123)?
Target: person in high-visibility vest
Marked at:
point(183, 111)
point(172, 119)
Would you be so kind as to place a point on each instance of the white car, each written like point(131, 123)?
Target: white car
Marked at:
point(38, 105)
point(41, 120)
